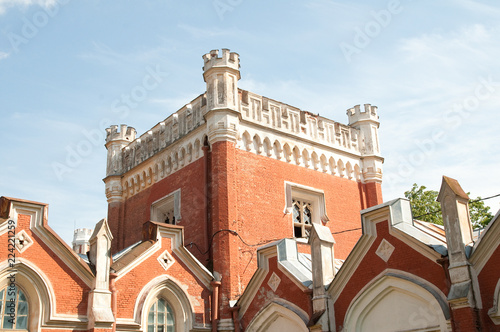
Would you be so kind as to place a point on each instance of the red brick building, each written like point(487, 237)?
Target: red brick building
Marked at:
point(242, 213)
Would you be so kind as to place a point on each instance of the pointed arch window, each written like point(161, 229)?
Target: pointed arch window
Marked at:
point(161, 317)
point(13, 309)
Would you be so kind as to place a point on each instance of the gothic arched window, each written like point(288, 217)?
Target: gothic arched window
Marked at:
point(13, 309)
point(161, 317)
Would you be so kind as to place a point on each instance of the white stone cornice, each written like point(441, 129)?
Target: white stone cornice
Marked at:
point(162, 164)
point(301, 152)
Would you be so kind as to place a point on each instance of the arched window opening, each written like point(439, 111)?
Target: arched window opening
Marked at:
point(161, 317)
point(13, 309)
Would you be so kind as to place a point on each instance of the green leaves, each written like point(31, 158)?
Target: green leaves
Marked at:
point(425, 207)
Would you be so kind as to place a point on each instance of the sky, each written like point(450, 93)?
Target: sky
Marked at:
point(68, 70)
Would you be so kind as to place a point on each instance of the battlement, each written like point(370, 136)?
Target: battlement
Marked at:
point(369, 113)
point(126, 133)
point(228, 60)
point(82, 234)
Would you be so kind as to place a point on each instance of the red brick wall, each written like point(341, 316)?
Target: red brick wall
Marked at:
point(224, 216)
point(130, 285)
point(403, 258)
point(287, 290)
point(261, 201)
point(71, 293)
point(247, 196)
point(465, 319)
point(488, 278)
point(127, 228)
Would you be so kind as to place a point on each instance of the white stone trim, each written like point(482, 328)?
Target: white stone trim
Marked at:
point(316, 196)
point(291, 121)
point(263, 256)
point(166, 260)
point(494, 311)
point(41, 297)
point(486, 245)
point(385, 250)
point(139, 260)
point(164, 163)
point(408, 285)
point(23, 241)
point(274, 281)
point(38, 216)
point(173, 198)
point(172, 291)
point(177, 246)
point(272, 311)
point(301, 152)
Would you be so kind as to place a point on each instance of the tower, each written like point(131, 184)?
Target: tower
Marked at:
point(366, 121)
point(222, 116)
point(115, 143)
point(221, 75)
point(81, 239)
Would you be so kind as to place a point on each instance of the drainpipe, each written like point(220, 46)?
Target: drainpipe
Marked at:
point(206, 180)
point(112, 288)
point(236, 319)
point(215, 304)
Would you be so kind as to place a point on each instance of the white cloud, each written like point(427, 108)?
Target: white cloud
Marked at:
point(3, 55)
point(5, 4)
point(471, 44)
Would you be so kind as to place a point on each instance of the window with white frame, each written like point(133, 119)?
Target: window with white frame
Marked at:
point(167, 209)
point(13, 309)
point(307, 206)
point(161, 317)
point(302, 217)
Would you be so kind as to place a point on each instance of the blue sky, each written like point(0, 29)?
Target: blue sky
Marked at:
point(66, 68)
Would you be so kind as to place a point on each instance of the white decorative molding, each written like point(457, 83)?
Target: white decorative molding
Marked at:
point(486, 245)
point(301, 152)
point(167, 206)
point(375, 302)
point(385, 250)
point(163, 164)
point(274, 281)
point(23, 241)
point(494, 311)
point(290, 120)
point(171, 290)
point(315, 196)
point(38, 214)
point(166, 260)
point(275, 316)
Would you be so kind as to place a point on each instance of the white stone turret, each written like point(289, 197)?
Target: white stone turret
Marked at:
point(221, 75)
point(115, 142)
point(81, 237)
point(366, 121)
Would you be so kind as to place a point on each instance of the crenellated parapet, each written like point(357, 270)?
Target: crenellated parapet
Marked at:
point(357, 115)
point(164, 134)
point(126, 133)
point(228, 60)
point(366, 121)
point(286, 133)
point(295, 122)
